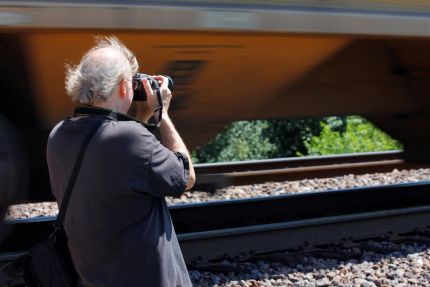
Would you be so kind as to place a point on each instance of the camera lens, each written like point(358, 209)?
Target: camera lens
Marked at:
point(139, 93)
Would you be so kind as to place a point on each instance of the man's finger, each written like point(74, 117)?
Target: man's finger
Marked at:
point(164, 82)
point(147, 87)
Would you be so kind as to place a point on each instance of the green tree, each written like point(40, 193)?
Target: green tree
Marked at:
point(242, 140)
point(359, 136)
point(259, 139)
point(262, 139)
point(289, 136)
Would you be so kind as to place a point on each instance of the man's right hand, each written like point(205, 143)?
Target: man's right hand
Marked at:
point(166, 94)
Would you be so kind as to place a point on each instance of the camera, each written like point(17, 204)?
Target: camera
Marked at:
point(139, 93)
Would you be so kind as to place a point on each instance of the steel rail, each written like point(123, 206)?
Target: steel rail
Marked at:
point(266, 238)
point(218, 175)
point(197, 221)
point(290, 162)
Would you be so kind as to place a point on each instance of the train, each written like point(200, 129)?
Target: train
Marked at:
point(230, 60)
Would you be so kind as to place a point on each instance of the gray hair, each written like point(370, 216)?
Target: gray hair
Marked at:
point(100, 70)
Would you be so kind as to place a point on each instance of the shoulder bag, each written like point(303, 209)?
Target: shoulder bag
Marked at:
point(48, 263)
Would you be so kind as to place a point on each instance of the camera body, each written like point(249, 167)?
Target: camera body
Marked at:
point(139, 93)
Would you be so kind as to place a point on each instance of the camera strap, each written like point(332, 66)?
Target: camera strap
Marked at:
point(159, 109)
point(88, 110)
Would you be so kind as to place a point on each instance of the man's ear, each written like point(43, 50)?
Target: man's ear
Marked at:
point(123, 88)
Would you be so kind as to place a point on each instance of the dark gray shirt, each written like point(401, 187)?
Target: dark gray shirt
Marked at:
point(119, 228)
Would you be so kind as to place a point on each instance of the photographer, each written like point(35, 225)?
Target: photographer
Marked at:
point(118, 226)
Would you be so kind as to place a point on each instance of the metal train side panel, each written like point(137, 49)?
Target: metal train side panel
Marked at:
point(238, 72)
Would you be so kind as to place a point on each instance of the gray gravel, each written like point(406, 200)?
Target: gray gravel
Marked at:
point(32, 210)
point(307, 185)
point(409, 265)
point(257, 190)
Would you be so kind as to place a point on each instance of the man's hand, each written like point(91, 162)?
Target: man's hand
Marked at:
point(166, 95)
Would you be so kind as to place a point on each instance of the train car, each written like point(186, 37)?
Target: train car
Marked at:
point(231, 60)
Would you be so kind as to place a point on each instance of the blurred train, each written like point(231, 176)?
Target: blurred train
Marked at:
point(231, 60)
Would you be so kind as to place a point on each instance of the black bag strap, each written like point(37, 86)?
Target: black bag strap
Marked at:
point(74, 175)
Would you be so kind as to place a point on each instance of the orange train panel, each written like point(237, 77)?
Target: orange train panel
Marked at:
point(215, 72)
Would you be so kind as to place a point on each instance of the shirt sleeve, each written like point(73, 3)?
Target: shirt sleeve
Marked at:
point(148, 166)
point(168, 172)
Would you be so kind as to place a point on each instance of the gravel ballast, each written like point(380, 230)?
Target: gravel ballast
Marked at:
point(409, 265)
point(257, 190)
point(307, 185)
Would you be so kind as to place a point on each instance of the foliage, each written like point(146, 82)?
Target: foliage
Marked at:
point(241, 140)
point(262, 139)
point(259, 139)
point(358, 136)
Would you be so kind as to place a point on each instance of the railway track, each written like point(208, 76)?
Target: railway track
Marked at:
point(218, 175)
point(256, 226)
point(259, 226)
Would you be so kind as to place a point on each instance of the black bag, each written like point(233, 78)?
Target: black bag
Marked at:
point(48, 263)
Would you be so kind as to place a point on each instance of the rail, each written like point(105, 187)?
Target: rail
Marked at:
point(218, 175)
point(213, 229)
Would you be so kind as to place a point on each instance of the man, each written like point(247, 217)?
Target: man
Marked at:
point(119, 229)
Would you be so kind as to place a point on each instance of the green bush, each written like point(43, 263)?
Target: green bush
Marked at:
point(259, 139)
point(262, 139)
point(289, 136)
point(242, 140)
point(359, 136)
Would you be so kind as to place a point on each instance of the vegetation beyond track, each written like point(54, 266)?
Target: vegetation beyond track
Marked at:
point(264, 139)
